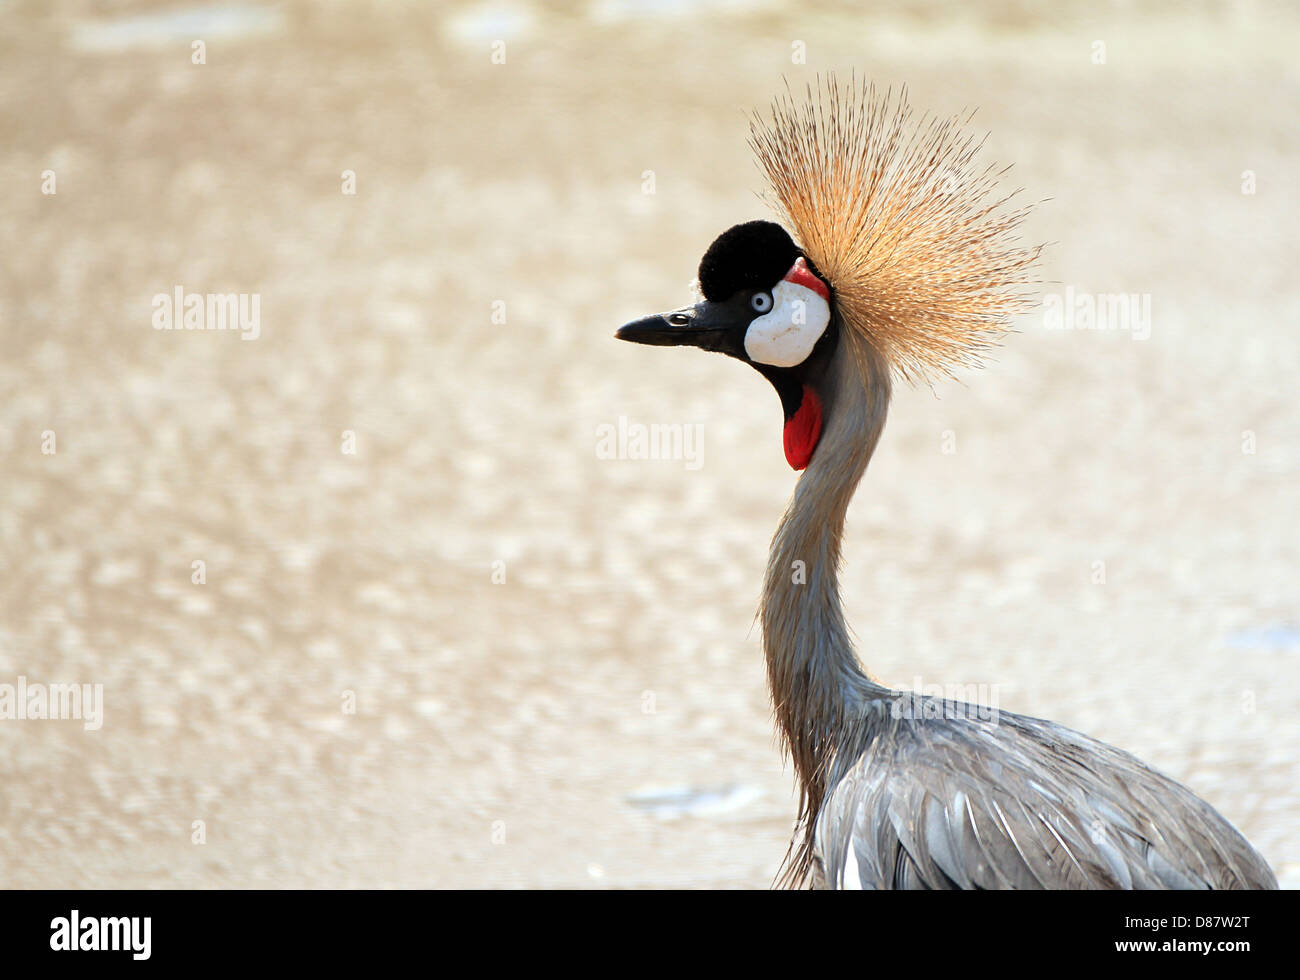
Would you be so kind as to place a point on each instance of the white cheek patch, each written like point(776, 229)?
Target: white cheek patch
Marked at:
point(787, 335)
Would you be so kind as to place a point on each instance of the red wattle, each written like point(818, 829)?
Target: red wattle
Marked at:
point(801, 275)
point(803, 430)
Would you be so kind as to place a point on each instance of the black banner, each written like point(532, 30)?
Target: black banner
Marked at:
point(143, 930)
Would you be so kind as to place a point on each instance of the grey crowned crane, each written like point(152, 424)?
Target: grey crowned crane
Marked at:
point(903, 263)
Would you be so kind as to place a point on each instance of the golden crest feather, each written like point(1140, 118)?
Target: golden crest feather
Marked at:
point(897, 216)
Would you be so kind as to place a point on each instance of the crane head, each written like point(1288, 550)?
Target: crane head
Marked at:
point(908, 258)
point(764, 304)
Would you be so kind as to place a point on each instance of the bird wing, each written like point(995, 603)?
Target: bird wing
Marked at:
point(960, 801)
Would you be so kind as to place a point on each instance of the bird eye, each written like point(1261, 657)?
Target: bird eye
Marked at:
point(762, 302)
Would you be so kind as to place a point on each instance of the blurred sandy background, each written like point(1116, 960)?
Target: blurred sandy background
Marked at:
point(600, 718)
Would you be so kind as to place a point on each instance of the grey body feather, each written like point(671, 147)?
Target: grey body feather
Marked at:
point(964, 801)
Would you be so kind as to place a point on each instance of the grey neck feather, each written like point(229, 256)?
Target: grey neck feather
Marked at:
point(818, 686)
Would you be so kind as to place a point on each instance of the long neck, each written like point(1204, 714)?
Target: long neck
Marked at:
point(818, 685)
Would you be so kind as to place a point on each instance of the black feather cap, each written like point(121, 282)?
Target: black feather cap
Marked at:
point(754, 255)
